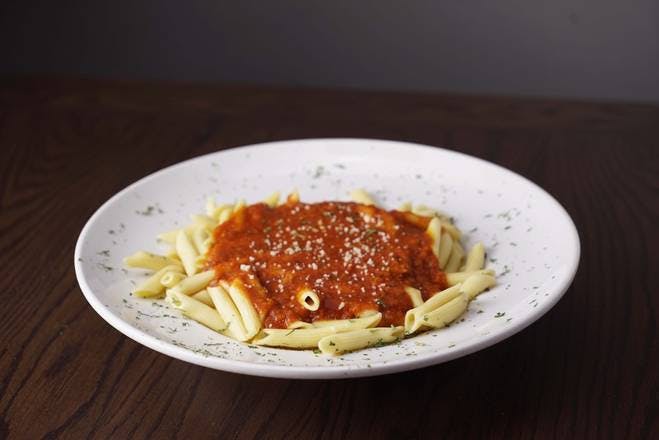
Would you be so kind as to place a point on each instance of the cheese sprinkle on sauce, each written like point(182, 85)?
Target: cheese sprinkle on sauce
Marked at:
point(357, 258)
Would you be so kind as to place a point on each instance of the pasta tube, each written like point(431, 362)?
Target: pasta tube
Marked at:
point(228, 311)
point(445, 249)
point(172, 255)
point(367, 312)
point(449, 312)
point(424, 211)
point(215, 214)
point(434, 230)
point(225, 214)
point(293, 338)
point(147, 260)
point(197, 310)
point(272, 200)
point(187, 252)
point(238, 206)
point(361, 196)
point(168, 237)
point(211, 206)
point(151, 286)
point(356, 339)
point(458, 277)
point(204, 221)
point(342, 325)
point(454, 261)
point(415, 296)
point(200, 238)
point(451, 229)
point(300, 324)
point(204, 297)
point(476, 284)
point(300, 335)
point(475, 258)
point(293, 197)
point(414, 317)
point(308, 299)
point(195, 283)
point(249, 316)
point(170, 279)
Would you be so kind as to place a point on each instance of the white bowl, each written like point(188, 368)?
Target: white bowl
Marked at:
point(531, 242)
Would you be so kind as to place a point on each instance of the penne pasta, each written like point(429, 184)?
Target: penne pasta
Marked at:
point(149, 261)
point(293, 338)
point(300, 324)
point(308, 299)
point(170, 279)
point(415, 296)
point(361, 196)
point(210, 207)
point(459, 277)
point(197, 310)
point(293, 197)
point(445, 248)
point(204, 221)
point(187, 252)
point(238, 206)
point(195, 283)
point(168, 237)
point(475, 258)
point(215, 214)
point(424, 211)
point(152, 287)
point(447, 313)
point(414, 317)
point(200, 238)
point(228, 311)
point(367, 312)
point(439, 299)
point(455, 260)
point(272, 200)
point(405, 207)
point(342, 325)
point(434, 230)
point(248, 315)
point(476, 284)
point(204, 297)
point(302, 336)
point(451, 229)
point(357, 339)
point(171, 253)
point(224, 214)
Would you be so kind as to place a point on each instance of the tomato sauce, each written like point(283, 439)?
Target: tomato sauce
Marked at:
point(355, 257)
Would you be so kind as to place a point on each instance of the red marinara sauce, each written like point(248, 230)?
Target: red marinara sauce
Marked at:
point(355, 257)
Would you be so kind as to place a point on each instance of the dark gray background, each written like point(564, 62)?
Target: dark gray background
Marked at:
point(583, 49)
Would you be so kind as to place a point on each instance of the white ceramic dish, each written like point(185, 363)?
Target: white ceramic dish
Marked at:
point(531, 241)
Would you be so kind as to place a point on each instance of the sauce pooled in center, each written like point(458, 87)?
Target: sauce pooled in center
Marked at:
point(355, 257)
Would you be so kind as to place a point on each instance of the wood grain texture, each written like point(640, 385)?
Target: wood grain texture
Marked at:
point(588, 369)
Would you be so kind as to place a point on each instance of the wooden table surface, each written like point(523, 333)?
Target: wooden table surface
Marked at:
point(587, 369)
